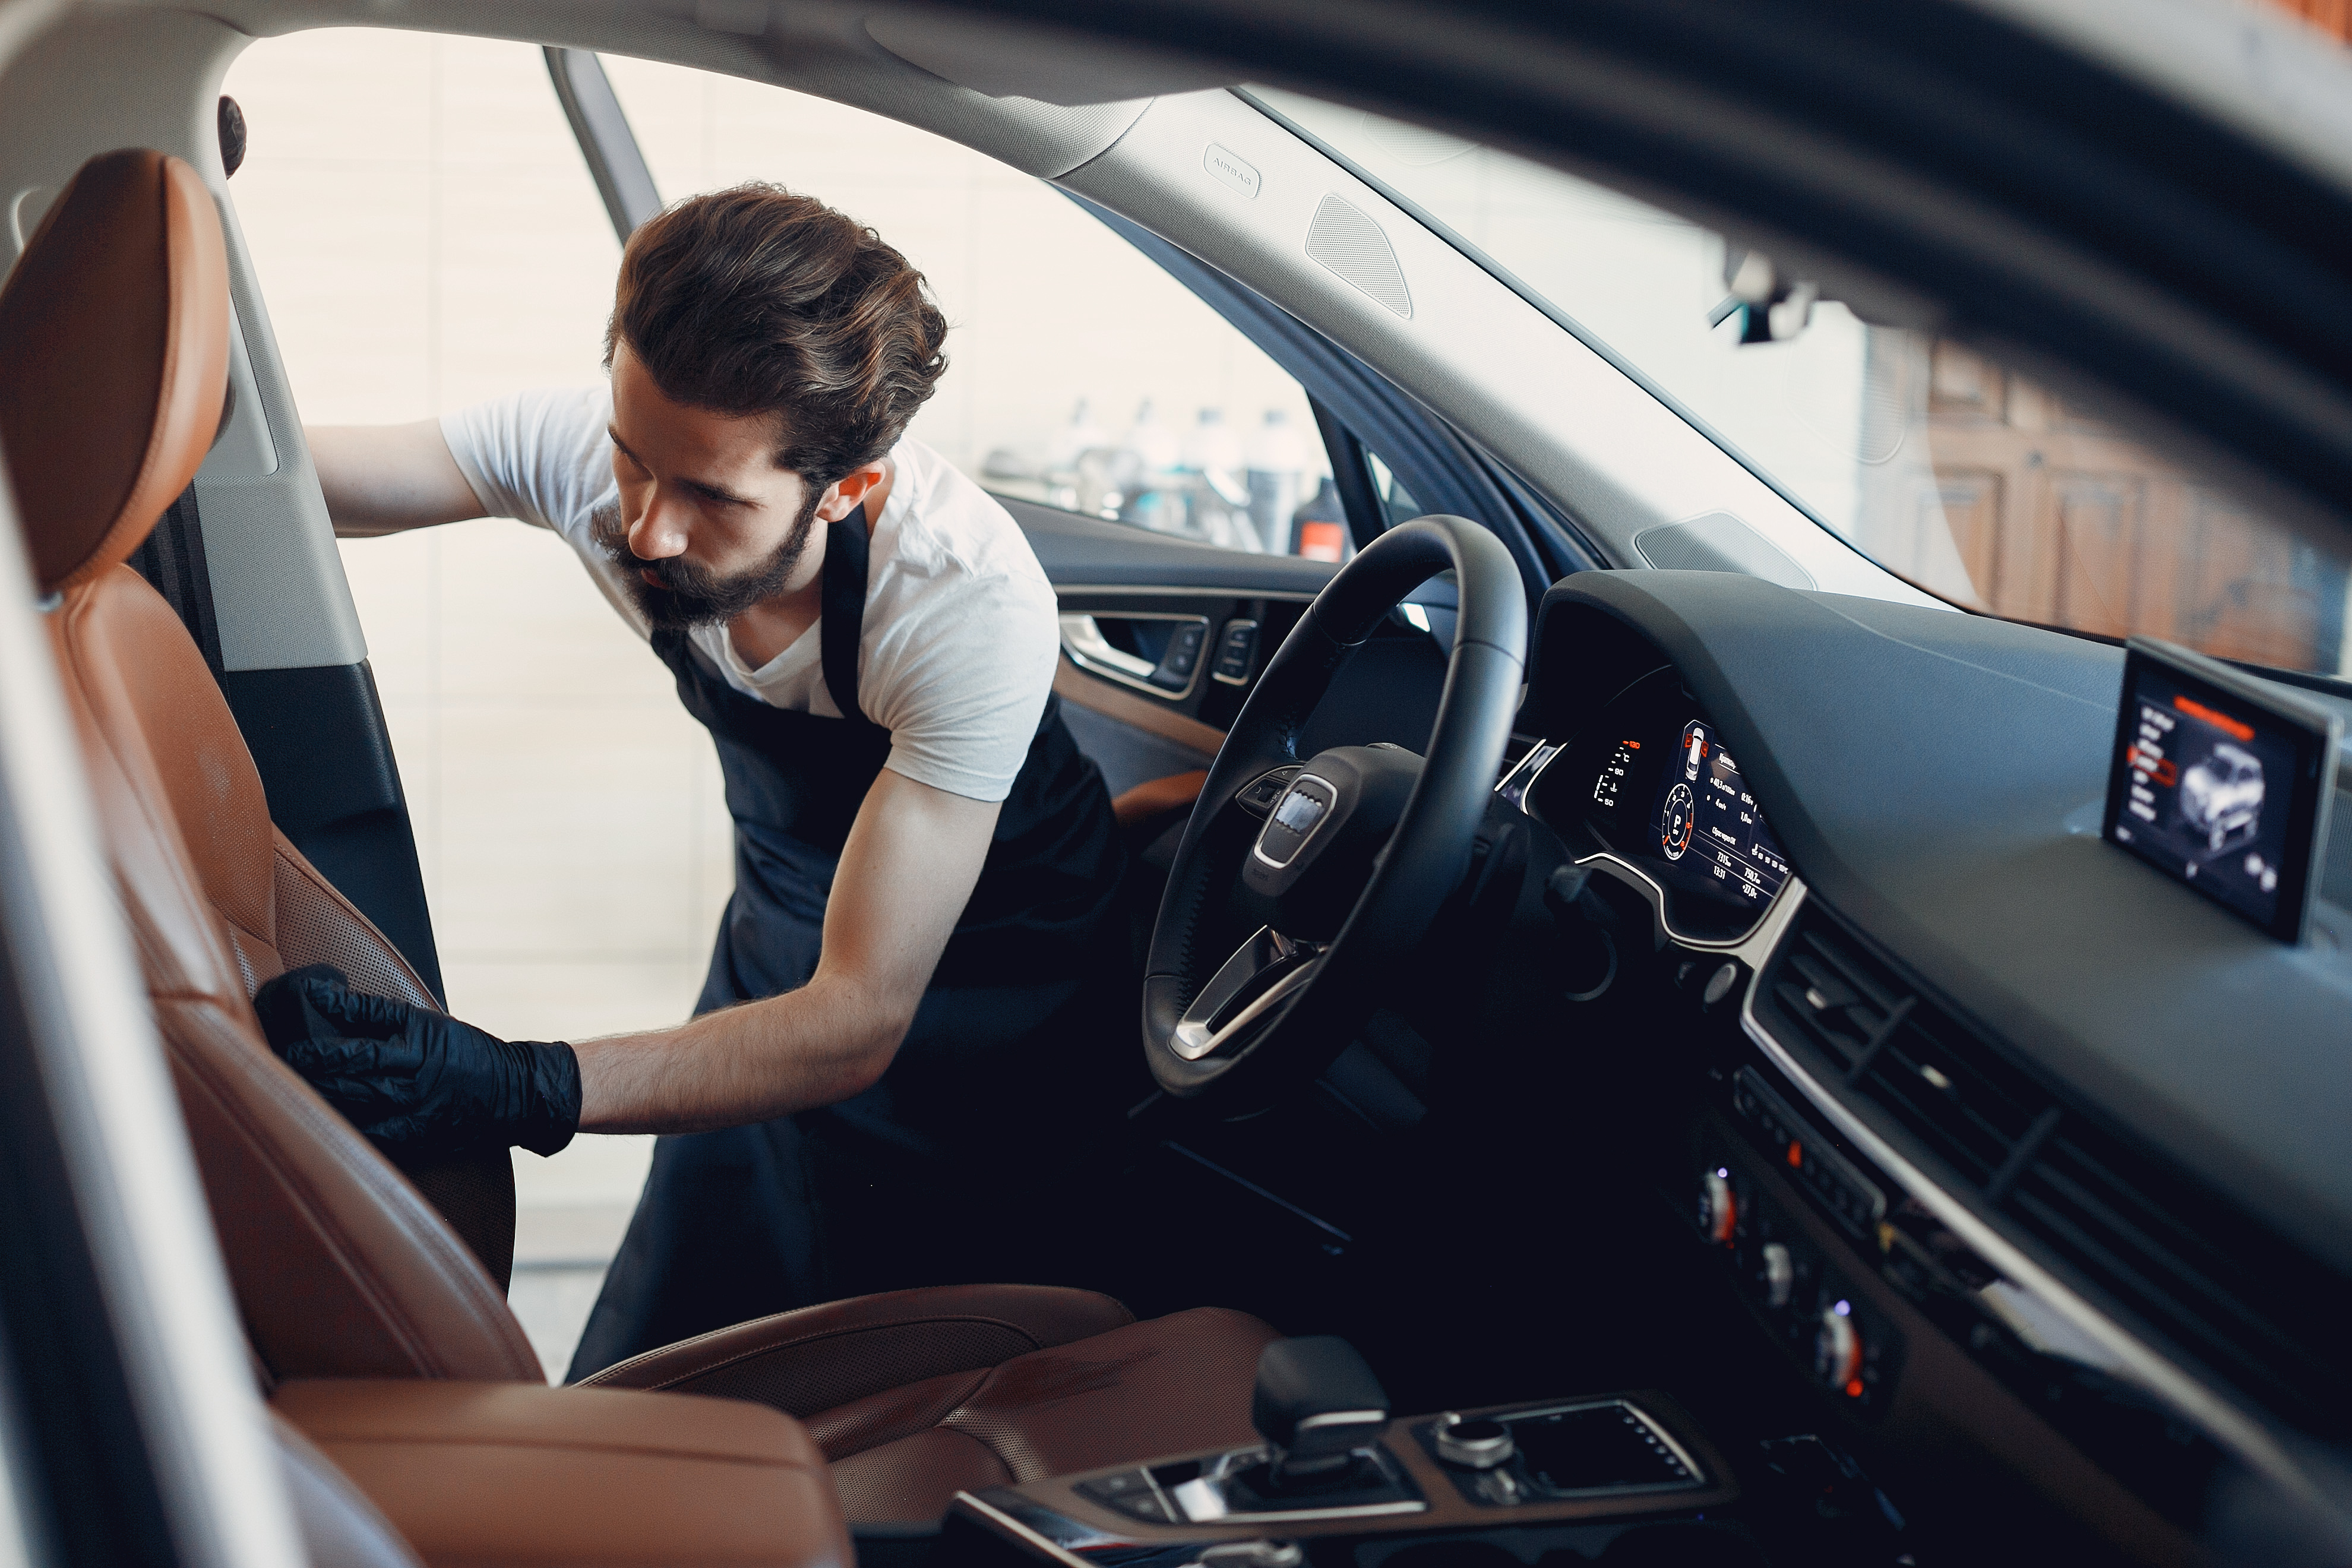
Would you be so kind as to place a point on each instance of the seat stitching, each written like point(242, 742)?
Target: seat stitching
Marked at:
point(813, 1340)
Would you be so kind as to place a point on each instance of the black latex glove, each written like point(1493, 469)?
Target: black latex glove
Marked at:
point(415, 1080)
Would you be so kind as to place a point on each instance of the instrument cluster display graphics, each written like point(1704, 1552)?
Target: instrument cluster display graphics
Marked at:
point(2220, 783)
point(1708, 828)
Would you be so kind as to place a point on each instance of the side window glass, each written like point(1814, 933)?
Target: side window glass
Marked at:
point(1397, 504)
point(1080, 375)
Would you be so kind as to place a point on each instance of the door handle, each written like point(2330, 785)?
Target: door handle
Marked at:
point(1158, 653)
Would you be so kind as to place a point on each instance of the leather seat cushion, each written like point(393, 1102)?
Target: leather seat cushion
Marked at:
point(507, 1475)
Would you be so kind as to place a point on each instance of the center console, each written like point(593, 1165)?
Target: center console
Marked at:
point(1335, 1471)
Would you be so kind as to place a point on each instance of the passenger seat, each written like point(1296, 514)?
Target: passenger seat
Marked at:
point(112, 357)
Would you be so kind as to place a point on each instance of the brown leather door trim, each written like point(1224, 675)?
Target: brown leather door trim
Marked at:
point(1075, 685)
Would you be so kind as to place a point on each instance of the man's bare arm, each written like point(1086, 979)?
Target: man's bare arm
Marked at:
point(384, 479)
point(913, 856)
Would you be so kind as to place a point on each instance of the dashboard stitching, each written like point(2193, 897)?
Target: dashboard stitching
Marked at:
point(1867, 627)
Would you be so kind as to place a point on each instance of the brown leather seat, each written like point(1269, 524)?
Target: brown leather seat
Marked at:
point(113, 358)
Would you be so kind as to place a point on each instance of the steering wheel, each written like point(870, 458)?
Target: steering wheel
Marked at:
point(1301, 884)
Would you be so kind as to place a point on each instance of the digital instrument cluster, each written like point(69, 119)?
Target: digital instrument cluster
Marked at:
point(1653, 781)
point(1710, 827)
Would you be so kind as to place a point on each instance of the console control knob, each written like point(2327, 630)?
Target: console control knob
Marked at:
point(1837, 1350)
point(1251, 1554)
point(1718, 1207)
point(1780, 1275)
point(1477, 1444)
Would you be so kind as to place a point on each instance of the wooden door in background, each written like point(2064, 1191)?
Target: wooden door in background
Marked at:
point(2060, 520)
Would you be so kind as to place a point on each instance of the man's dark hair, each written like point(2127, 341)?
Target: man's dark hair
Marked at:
point(755, 301)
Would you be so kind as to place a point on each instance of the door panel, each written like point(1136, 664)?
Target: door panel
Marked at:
point(1119, 588)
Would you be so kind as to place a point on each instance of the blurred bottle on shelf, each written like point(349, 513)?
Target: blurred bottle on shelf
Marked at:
point(1216, 496)
point(1076, 474)
point(1318, 529)
point(1074, 441)
point(1144, 469)
point(1276, 472)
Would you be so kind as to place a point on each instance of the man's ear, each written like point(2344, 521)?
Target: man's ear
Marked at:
point(847, 494)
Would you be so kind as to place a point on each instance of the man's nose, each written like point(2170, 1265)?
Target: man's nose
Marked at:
point(659, 533)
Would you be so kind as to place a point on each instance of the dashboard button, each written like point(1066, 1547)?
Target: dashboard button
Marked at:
point(1837, 1349)
point(1780, 1275)
point(1718, 1208)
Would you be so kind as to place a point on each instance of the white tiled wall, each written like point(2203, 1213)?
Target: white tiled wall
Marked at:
point(427, 237)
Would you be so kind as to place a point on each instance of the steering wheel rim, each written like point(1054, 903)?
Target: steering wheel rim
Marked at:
point(1322, 999)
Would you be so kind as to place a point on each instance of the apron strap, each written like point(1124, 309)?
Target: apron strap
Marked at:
point(841, 611)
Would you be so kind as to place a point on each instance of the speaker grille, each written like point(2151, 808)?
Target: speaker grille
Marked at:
point(1350, 244)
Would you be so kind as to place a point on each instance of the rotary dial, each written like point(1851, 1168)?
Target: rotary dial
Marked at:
point(1676, 822)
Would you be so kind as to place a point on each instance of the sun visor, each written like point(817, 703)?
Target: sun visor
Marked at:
point(1051, 67)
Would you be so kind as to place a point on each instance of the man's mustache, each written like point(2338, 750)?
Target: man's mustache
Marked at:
point(678, 592)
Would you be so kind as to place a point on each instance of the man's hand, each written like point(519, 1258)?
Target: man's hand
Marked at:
point(384, 479)
point(906, 873)
point(415, 1080)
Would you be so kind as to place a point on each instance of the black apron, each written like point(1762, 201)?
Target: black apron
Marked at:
point(1023, 1040)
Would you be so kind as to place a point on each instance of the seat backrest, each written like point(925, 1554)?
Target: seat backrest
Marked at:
point(114, 357)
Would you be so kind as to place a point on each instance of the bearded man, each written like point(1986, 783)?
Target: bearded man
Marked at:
point(907, 993)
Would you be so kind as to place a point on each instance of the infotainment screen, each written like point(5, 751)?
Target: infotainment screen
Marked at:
point(2222, 782)
point(1708, 828)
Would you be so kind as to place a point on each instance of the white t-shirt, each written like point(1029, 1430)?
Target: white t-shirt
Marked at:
point(957, 652)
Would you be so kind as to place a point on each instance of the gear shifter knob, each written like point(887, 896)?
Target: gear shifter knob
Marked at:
point(1316, 1401)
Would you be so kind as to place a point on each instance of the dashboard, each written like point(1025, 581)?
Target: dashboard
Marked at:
point(1994, 1110)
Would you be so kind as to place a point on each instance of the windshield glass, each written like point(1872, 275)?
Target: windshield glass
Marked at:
point(1958, 474)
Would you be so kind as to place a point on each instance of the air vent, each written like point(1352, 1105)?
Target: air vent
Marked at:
point(1979, 1114)
point(2224, 1287)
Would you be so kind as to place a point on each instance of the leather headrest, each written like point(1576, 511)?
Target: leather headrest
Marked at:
point(113, 359)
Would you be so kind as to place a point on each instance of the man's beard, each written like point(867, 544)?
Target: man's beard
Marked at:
point(692, 594)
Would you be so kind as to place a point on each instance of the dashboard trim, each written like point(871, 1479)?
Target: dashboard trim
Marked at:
point(1654, 894)
point(2230, 1426)
point(1004, 1524)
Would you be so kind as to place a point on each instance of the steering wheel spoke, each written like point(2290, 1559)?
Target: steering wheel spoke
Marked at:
point(1264, 972)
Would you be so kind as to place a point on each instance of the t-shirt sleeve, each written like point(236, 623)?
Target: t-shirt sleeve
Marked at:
point(541, 456)
point(963, 685)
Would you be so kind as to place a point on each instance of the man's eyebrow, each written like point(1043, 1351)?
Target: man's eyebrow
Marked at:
point(701, 487)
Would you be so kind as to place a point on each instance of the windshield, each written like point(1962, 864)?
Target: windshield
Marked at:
point(1960, 475)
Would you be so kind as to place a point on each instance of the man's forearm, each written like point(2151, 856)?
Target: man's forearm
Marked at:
point(384, 478)
point(829, 1040)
